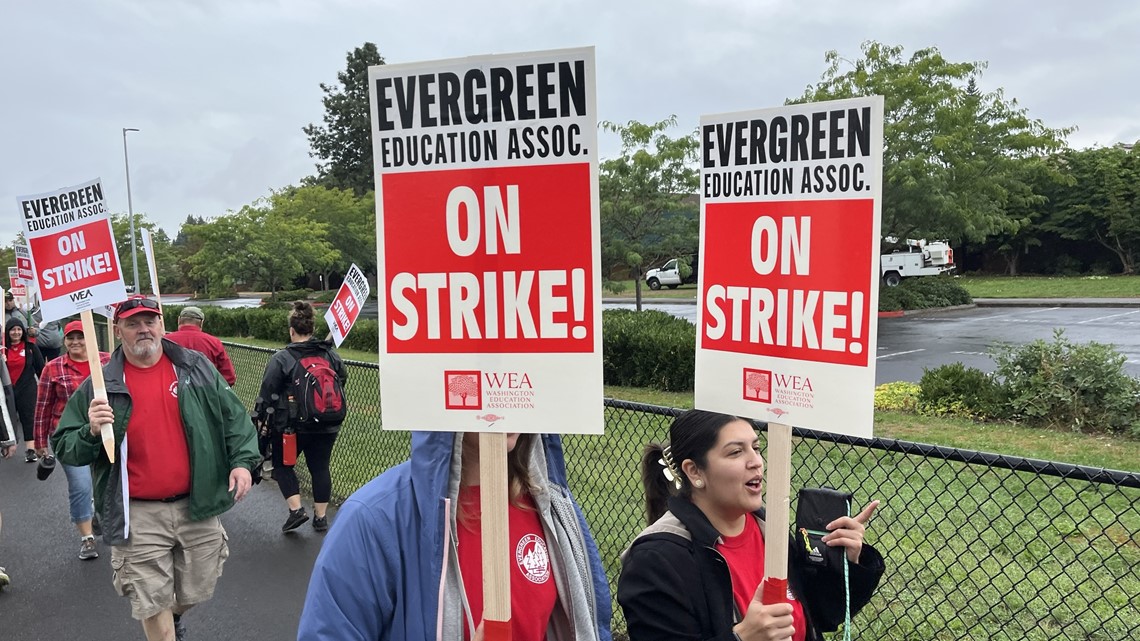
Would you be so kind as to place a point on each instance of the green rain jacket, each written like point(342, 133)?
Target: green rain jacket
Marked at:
point(218, 431)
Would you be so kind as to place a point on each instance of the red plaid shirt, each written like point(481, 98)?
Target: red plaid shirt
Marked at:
point(58, 382)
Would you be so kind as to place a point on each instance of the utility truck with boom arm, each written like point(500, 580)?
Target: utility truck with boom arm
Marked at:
point(920, 258)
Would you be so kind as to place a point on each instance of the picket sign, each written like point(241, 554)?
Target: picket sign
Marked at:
point(107, 433)
point(488, 250)
point(777, 500)
point(5, 379)
point(151, 265)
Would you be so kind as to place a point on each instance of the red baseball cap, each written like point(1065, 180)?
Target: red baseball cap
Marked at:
point(136, 305)
point(73, 326)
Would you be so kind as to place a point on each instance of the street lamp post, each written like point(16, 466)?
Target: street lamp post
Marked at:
point(130, 210)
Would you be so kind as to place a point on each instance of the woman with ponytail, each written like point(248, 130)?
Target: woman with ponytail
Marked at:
point(695, 571)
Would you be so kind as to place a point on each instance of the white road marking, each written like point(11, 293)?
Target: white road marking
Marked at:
point(912, 351)
point(1100, 318)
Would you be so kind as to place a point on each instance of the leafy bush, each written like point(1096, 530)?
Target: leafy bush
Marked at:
point(326, 296)
point(923, 293)
point(364, 335)
point(648, 349)
point(900, 396)
point(958, 390)
point(1082, 387)
point(290, 295)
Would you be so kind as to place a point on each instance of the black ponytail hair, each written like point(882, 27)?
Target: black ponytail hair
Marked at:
point(691, 436)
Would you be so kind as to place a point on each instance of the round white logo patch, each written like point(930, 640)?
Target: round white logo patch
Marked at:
point(534, 563)
point(174, 389)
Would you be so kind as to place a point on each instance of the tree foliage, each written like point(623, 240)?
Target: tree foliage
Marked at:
point(349, 220)
point(343, 144)
point(951, 151)
point(647, 209)
point(166, 260)
point(258, 247)
point(1100, 200)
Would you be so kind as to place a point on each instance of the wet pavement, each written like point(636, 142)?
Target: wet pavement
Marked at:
point(54, 595)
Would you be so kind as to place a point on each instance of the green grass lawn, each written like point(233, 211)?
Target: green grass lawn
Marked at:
point(1051, 286)
point(973, 552)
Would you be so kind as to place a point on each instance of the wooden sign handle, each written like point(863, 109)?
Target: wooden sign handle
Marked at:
point(91, 338)
point(777, 492)
point(494, 524)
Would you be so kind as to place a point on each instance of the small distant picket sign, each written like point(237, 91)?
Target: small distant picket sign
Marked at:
point(345, 307)
point(16, 285)
point(488, 243)
point(24, 262)
point(72, 249)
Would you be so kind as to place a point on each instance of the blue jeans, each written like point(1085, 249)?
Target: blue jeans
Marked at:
point(79, 492)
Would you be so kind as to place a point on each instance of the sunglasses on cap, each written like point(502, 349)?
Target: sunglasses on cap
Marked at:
point(133, 306)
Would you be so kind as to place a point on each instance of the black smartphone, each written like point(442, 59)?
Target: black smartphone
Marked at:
point(815, 508)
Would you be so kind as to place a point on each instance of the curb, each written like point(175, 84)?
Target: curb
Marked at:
point(924, 312)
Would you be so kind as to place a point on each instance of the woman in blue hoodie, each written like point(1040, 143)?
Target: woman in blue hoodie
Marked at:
point(398, 563)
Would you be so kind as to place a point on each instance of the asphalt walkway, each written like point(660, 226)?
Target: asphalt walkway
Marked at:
point(54, 595)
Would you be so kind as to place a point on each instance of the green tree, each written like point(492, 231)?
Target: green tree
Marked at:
point(648, 211)
point(166, 260)
point(343, 144)
point(349, 219)
point(257, 247)
point(950, 150)
point(1100, 201)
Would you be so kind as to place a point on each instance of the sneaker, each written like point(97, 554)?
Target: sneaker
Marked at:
point(4, 580)
point(87, 549)
point(321, 523)
point(296, 518)
point(30, 456)
point(179, 628)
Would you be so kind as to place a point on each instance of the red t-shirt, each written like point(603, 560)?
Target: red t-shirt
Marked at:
point(158, 455)
point(16, 360)
point(533, 592)
point(744, 554)
point(82, 368)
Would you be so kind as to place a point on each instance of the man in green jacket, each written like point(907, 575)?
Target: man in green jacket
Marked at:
point(184, 451)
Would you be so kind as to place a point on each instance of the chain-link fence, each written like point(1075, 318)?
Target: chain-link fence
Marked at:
point(978, 546)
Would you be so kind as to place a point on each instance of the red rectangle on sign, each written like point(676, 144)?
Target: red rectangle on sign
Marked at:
point(489, 260)
point(344, 309)
point(76, 259)
point(784, 279)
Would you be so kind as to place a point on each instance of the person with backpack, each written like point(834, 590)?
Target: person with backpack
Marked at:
point(304, 384)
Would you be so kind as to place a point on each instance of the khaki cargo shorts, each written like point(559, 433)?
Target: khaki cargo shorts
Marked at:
point(168, 560)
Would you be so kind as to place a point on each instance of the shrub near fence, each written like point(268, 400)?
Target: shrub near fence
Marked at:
point(978, 546)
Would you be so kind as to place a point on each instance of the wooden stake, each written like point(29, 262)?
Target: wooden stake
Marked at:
point(777, 492)
point(496, 536)
point(92, 339)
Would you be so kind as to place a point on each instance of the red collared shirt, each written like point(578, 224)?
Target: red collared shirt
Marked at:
point(192, 337)
point(59, 380)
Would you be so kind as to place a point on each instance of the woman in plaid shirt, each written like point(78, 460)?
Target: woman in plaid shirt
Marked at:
point(60, 378)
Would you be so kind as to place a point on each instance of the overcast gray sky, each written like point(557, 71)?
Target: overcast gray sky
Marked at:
point(220, 89)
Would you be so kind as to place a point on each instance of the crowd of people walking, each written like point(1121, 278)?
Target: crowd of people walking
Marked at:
point(404, 559)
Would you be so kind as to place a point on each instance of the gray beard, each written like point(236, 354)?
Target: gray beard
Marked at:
point(144, 350)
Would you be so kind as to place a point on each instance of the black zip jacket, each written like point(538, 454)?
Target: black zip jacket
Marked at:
point(675, 585)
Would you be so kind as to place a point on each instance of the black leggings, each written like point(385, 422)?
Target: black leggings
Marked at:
point(317, 449)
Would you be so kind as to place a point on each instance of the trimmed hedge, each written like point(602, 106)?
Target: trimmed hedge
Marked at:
point(648, 349)
point(923, 293)
point(271, 322)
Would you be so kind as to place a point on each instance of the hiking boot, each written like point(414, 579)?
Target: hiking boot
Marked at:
point(296, 518)
point(87, 549)
point(179, 628)
point(321, 523)
point(30, 456)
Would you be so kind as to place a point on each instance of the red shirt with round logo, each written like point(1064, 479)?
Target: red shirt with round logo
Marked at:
point(533, 592)
point(158, 456)
point(744, 554)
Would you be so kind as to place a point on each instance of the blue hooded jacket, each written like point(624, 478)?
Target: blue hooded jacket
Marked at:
point(389, 560)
